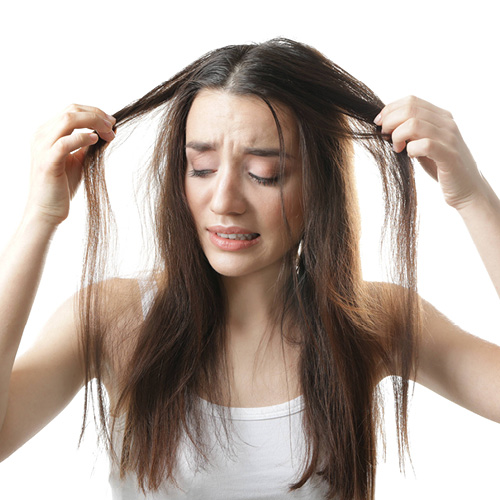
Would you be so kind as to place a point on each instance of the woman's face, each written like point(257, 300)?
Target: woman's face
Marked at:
point(232, 150)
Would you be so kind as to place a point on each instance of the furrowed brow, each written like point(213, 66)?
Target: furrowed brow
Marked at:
point(265, 152)
point(201, 147)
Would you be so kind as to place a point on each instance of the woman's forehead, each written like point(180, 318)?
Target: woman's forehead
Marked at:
point(218, 115)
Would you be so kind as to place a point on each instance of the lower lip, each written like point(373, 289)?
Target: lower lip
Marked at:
point(231, 245)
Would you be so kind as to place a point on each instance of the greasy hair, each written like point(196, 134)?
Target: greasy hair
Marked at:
point(351, 331)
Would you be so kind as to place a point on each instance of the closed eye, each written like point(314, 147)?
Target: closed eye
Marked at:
point(265, 181)
point(198, 173)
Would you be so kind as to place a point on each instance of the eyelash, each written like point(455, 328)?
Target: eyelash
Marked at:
point(260, 180)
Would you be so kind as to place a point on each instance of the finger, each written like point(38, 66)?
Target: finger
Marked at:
point(90, 109)
point(399, 116)
point(410, 105)
point(429, 148)
point(70, 121)
point(66, 145)
point(414, 129)
point(75, 172)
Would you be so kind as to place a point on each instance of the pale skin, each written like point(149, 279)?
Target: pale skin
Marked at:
point(231, 141)
point(36, 386)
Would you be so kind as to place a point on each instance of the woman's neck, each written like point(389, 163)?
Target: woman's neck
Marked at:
point(250, 300)
point(253, 325)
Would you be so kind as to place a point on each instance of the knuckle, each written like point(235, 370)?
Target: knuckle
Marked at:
point(67, 117)
point(72, 108)
point(412, 100)
point(409, 110)
point(427, 146)
point(411, 105)
point(453, 127)
point(413, 124)
point(58, 146)
point(455, 156)
point(452, 139)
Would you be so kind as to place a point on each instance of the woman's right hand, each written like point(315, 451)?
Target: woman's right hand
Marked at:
point(57, 156)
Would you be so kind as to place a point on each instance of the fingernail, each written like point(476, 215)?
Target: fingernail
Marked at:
point(378, 119)
point(112, 119)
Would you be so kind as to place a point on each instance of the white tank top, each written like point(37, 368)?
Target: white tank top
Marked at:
point(267, 456)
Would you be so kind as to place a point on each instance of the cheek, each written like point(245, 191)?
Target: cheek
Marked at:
point(193, 201)
point(294, 209)
point(272, 216)
point(269, 209)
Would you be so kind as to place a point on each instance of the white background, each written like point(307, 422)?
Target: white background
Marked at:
point(107, 54)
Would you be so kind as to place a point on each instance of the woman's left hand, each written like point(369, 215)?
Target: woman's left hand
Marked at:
point(431, 135)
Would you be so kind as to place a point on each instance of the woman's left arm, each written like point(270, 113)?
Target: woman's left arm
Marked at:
point(453, 363)
point(431, 135)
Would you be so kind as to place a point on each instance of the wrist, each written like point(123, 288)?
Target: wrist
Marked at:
point(40, 224)
point(485, 200)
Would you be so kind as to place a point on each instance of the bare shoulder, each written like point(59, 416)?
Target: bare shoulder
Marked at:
point(387, 305)
point(123, 296)
point(382, 290)
point(48, 375)
point(453, 363)
point(387, 302)
point(122, 317)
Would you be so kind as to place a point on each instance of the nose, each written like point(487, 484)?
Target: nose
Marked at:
point(228, 196)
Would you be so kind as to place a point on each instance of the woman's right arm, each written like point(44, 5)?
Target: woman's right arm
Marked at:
point(38, 385)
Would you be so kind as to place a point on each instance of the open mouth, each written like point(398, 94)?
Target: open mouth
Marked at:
point(249, 236)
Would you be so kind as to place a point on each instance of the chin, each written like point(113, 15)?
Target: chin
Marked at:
point(230, 270)
point(237, 267)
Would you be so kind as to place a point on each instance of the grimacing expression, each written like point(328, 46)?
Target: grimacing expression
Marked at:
point(232, 152)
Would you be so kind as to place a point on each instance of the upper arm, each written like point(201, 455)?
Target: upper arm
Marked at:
point(44, 379)
point(459, 366)
point(48, 376)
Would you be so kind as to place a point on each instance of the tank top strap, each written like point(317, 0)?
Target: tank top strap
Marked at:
point(147, 290)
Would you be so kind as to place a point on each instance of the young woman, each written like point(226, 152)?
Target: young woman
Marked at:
point(246, 364)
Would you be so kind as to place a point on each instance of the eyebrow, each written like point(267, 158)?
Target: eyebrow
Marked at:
point(201, 147)
point(265, 152)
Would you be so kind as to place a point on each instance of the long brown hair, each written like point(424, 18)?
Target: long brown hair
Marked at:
point(350, 330)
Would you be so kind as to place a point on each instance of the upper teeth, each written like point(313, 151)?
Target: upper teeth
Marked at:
point(249, 236)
